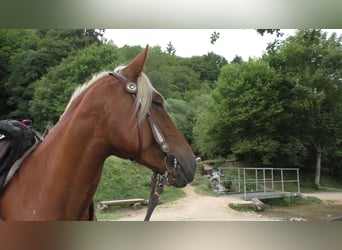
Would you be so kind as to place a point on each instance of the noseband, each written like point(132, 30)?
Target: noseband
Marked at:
point(169, 159)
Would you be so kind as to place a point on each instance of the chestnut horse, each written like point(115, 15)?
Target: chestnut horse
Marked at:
point(116, 113)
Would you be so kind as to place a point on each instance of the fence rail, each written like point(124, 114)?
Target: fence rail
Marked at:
point(266, 180)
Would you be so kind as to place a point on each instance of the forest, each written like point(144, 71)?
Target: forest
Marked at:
point(283, 109)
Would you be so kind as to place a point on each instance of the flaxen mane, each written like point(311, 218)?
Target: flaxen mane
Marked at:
point(144, 94)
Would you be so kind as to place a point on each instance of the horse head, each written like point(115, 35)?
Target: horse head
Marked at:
point(148, 134)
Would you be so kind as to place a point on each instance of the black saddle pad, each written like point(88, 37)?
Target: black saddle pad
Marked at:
point(15, 140)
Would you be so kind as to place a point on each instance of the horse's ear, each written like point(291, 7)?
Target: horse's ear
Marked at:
point(136, 66)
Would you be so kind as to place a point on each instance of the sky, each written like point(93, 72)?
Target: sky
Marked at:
point(246, 43)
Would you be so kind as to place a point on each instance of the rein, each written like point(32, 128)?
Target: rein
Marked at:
point(169, 159)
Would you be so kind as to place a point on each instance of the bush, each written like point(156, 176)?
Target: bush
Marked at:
point(203, 185)
point(292, 201)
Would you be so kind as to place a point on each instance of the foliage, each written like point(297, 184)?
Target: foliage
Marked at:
point(270, 31)
point(170, 49)
point(208, 66)
point(214, 37)
point(12, 42)
point(311, 63)
point(129, 52)
point(40, 50)
point(170, 78)
point(293, 201)
point(246, 111)
point(283, 109)
point(237, 59)
point(206, 134)
point(181, 113)
point(328, 183)
point(203, 185)
point(60, 81)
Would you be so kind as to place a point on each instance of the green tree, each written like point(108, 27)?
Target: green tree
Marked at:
point(129, 52)
point(11, 43)
point(170, 49)
point(168, 76)
point(237, 59)
point(182, 114)
point(284, 109)
point(208, 66)
point(46, 49)
point(205, 132)
point(53, 91)
point(248, 111)
point(157, 68)
point(311, 63)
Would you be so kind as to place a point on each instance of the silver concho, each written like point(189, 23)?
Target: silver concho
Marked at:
point(164, 147)
point(131, 87)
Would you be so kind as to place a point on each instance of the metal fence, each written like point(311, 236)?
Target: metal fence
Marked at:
point(251, 180)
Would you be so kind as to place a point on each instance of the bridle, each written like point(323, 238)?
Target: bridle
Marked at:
point(170, 161)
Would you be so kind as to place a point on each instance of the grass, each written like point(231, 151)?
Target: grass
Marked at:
point(328, 184)
point(292, 201)
point(279, 202)
point(106, 216)
point(240, 208)
point(203, 185)
point(122, 179)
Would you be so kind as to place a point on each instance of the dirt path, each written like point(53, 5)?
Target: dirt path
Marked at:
point(328, 197)
point(195, 207)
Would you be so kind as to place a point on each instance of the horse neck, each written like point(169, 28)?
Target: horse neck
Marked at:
point(80, 148)
point(64, 171)
point(83, 148)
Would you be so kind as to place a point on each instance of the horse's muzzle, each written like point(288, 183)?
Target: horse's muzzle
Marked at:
point(184, 172)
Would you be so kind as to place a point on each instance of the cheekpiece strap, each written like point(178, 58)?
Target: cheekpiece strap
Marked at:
point(158, 135)
point(131, 87)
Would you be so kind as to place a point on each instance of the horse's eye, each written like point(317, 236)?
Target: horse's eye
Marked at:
point(157, 104)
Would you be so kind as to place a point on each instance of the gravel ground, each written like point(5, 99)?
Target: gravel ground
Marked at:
point(195, 207)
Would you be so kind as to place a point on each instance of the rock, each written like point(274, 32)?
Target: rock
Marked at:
point(257, 205)
point(207, 167)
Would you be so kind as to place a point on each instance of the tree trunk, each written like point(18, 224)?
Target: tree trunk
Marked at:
point(318, 165)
